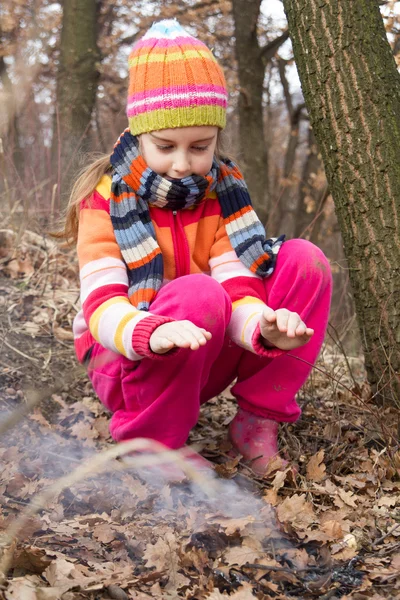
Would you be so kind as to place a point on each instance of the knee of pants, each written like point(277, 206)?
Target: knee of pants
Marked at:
point(307, 259)
point(206, 302)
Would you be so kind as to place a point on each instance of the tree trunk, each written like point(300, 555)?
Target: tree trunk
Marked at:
point(352, 91)
point(9, 129)
point(251, 71)
point(312, 194)
point(284, 216)
point(76, 87)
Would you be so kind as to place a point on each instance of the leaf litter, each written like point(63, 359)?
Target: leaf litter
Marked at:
point(326, 525)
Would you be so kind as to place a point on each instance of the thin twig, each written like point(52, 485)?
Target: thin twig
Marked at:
point(285, 569)
point(391, 530)
point(375, 413)
point(35, 360)
point(19, 413)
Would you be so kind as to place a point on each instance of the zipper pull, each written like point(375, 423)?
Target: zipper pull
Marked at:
point(174, 212)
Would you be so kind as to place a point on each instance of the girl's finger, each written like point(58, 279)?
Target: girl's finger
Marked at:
point(282, 320)
point(190, 339)
point(206, 333)
point(301, 329)
point(197, 335)
point(293, 323)
point(269, 314)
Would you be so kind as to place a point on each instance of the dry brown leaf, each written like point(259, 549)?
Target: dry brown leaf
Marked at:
point(19, 589)
point(396, 562)
point(163, 555)
point(333, 530)
point(30, 328)
point(233, 525)
point(62, 573)
point(279, 480)
point(346, 554)
point(33, 560)
point(296, 511)
point(299, 557)
point(84, 431)
point(59, 570)
point(20, 266)
point(104, 533)
point(244, 593)
point(215, 595)
point(271, 496)
point(63, 334)
point(388, 500)
point(158, 555)
point(316, 468)
point(348, 497)
point(51, 593)
point(240, 555)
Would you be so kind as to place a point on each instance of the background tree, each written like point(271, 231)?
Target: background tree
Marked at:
point(252, 60)
point(352, 90)
point(77, 79)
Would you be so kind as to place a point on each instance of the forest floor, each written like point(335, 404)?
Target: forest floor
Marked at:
point(327, 525)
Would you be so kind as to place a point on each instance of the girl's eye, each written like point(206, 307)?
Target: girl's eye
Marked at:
point(200, 148)
point(164, 147)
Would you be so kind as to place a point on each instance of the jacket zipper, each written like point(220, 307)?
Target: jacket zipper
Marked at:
point(181, 247)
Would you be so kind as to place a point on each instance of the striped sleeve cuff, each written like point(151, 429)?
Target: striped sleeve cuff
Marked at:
point(244, 327)
point(261, 349)
point(142, 333)
point(246, 314)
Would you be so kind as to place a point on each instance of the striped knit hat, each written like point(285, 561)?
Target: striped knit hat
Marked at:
point(174, 81)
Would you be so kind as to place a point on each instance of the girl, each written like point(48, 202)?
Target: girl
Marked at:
point(181, 292)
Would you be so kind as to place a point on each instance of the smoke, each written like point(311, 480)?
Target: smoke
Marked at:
point(119, 500)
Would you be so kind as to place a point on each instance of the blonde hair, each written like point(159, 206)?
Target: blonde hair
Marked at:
point(87, 181)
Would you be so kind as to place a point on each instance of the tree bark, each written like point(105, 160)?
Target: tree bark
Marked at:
point(76, 87)
point(9, 129)
point(352, 91)
point(251, 69)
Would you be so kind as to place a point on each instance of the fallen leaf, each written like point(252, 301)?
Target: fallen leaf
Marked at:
point(21, 589)
point(388, 500)
point(63, 334)
point(59, 571)
point(271, 496)
point(333, 529)
point(104, 533)
point(33, 560)
point(233, 525)
point(347, 497)
point(296, 511)
point(316, 468)
point(240, 555)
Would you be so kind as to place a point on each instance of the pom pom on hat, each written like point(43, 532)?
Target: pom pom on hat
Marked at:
point(174, 81)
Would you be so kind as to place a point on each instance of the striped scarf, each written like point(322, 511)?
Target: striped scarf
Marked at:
point(135, 185)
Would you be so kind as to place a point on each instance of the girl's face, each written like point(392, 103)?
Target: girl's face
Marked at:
point(177, 153)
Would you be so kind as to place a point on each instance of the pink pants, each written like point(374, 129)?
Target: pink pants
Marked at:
point(160, 399)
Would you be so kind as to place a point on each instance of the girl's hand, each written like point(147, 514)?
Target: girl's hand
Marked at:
point(180, 334)
point(284, 329)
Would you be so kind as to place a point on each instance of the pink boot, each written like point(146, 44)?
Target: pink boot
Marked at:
point(255, 438)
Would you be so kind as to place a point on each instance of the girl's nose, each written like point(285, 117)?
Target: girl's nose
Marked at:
point(181, 164)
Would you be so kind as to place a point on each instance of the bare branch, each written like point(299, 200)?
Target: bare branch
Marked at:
point(268, 51)
point(282, 74)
